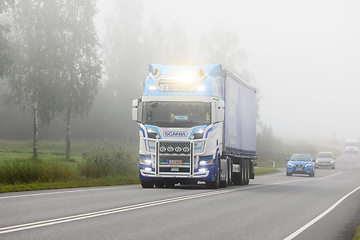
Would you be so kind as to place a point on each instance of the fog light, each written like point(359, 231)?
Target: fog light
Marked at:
point(202, 170)
point(148, 169)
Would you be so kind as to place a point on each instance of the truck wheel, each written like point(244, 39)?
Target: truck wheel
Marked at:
point(230, 174)
point(247, 172)
point(237, 176)
point(224, 184)
point(243, 172)
point(147, 184)
point(215, 184)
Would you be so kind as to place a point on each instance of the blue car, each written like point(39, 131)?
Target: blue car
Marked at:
point(300, 164)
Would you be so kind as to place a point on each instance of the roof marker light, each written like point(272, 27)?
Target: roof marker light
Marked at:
point(156, 71)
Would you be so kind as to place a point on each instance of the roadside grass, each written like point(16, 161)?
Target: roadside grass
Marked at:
point(92, 163)
point(106, 181)
point(357, 233)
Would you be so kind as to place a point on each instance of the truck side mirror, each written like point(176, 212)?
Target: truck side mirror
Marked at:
point(135, 105)
point(220, 111)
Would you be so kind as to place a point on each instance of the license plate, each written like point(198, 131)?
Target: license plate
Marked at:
point(174, 162)
point(299, 169)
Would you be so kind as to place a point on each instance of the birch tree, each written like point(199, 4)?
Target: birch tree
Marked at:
point(56, 68)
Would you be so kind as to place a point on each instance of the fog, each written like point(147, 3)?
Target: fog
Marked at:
point(304, 55)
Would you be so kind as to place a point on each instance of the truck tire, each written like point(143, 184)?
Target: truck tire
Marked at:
point(243, 171)
point(147, 184)
point(237, 176)
point(230, 172)
point(215, 184)
point(247, 172)
point(224, 184)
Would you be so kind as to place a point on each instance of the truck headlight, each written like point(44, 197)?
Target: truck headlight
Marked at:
point(198, 134)
point(206, 162)
point(151, 133)
point(145, 161)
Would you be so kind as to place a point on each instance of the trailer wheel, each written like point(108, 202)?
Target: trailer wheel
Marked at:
point(247, 171)
point(237, 176)
point(147, 184)
point(230, 173)
point(243, 171)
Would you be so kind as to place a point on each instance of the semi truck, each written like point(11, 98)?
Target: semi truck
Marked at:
point(197, 126)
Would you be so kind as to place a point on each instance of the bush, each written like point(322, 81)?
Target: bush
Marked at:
point(103, 163)
point(34, 171)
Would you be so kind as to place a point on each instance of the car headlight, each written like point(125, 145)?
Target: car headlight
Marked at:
point(308, 165)
point(290, 164)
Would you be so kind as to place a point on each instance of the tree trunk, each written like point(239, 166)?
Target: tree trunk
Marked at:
point(68, 114)
point(36, 133)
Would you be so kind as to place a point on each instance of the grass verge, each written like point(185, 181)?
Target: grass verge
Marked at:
point(357, 233)
point(107, 181)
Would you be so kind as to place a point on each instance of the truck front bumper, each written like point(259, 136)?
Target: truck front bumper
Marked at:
point(201, 174)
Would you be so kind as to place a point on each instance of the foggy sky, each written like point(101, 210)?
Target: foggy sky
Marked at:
point(305, 56)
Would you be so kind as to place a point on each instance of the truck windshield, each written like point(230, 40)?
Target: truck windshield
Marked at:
point(176, 114)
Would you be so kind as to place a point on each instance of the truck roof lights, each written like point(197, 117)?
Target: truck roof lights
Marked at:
point(184, 78)
point(180, 83)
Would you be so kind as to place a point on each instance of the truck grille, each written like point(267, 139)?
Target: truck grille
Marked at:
point(174, 160)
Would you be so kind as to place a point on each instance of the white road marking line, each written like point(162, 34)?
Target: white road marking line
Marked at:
point(300, 230)
point(329, 176)
point(112, 211)
point(49, 222)
point(62, 192)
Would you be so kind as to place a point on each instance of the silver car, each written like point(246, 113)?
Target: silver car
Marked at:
point(325, 159)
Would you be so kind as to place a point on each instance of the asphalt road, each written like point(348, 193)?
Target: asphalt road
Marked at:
point(270, 207)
